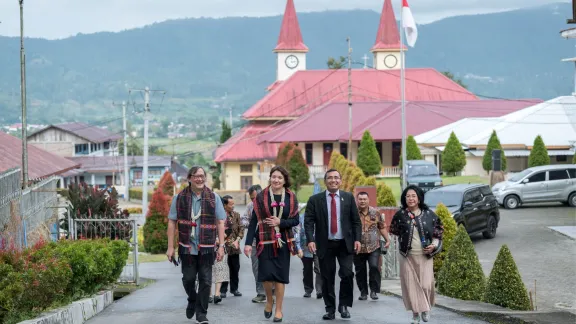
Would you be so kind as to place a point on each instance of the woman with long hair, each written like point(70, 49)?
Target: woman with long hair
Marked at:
point(419, 231)
point(275, 213)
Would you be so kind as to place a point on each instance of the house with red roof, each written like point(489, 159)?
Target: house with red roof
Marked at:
point(310, 107)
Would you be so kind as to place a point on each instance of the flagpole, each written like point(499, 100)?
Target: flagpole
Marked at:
point(403, 102)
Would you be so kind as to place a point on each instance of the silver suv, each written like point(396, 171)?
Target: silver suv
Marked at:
point(549, 183)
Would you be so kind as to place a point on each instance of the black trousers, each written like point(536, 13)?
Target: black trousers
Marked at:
point(375, 277)
point(337, 250)
point(234, 265)
point(192, 268)
point(311, 267)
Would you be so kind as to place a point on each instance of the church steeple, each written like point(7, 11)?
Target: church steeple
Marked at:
point(290, 49)
point(387, 48)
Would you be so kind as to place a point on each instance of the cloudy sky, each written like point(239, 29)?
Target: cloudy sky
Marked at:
point(62, 18)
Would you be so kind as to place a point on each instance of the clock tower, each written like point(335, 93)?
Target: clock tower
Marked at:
point(290, 50)
point(387, 50)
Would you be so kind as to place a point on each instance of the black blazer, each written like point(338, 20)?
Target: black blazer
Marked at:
point(316, 221)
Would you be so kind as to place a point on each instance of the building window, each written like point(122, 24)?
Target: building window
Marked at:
point(106, 145)
point(137, 175)
point(379, 149)
point(344, 149)
point(80, 149)
point(561, 158)
point(309, 152)
point(246, 168)
point(245, 182)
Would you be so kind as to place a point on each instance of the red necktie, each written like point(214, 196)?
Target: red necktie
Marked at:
point(333, 217)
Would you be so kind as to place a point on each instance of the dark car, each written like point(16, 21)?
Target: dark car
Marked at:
point(472, 205)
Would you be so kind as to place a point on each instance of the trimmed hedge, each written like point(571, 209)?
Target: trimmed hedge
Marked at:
point(505, 287)
point(450, 229)
point(50, 275)
point(461, 275)
point(385, 196)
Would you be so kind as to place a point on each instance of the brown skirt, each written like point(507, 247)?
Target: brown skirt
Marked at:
point(417, 281)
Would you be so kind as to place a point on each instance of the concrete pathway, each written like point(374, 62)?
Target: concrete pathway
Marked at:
point(164, 302)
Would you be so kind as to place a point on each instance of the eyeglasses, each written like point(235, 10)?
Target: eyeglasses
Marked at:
point(333, 178)
point(200, 177)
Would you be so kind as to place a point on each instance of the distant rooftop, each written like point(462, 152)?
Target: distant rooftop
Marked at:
point(90, 133)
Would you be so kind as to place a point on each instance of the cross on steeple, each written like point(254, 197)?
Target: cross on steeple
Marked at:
point(365, 58)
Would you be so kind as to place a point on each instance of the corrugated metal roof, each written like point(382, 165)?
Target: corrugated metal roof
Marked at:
point(41, 164)
point(90, 133)
point(554, 120)
point(306, 90)
point(509, 153)
point(243, 145)
point(95, 164)
point(383, 119)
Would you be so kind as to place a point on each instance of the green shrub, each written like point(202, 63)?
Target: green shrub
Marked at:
point(505, 287)
point(412, 150)
point(461, 275)
point(155, 234)
point(298, 169)
point(453, 157)
point(369, 160)
point(450, 229)
point(385, 196)
point(538, 154)
point(369, 181)
point(493, 144)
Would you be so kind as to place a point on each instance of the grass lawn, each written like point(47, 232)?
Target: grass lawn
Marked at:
point(146, 257)
point(394, 184)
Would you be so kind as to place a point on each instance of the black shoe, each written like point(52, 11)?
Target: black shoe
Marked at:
point(223, 295)
point(202, 319)
point(277, 320)
point(267, 314)
point(329, 316)
point(307, 295)
point(259, 299)
point(374, 295)
point(190, 310)
point(344, 311)
point(210, 299)
point(217, 299)
point(237, 293)
point(363, 297)
point(319, 296)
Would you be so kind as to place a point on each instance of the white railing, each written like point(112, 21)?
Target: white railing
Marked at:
point(317, 171)
point(390, 172)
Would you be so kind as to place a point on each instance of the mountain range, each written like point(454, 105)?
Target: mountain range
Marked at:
point(514, 54)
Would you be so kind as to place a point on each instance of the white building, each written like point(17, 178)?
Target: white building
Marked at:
point(553, 120)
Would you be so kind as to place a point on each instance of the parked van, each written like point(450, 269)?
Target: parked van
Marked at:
point(423, 174)
point(548, 183)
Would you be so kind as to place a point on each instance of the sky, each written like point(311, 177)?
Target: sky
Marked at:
point(53, 19)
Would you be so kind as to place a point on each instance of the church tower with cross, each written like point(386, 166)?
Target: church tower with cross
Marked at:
point(290, 50)
point(387, 49)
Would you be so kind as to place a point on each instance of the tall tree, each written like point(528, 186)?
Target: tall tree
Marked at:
point(336, 64)
point(412, 150)
point(224, 136)
point(538, 153)
point(284, 153)
point(493, 144)
point(453, 157)
point(452, 77)
point(368, 158)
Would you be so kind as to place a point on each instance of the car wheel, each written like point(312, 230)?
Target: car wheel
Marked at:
point(511, 202)
point(572, 199)
point(491, 227)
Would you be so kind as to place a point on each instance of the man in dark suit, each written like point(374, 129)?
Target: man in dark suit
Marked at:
point(333, 230)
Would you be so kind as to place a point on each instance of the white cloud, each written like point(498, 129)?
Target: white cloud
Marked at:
point(62, 18)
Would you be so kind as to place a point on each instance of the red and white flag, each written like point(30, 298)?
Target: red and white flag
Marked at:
point(409, 24)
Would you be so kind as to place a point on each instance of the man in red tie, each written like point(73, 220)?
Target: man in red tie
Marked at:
point(334, 229)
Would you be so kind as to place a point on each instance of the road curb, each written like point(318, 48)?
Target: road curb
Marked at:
point(76, 313)
point(488, 311)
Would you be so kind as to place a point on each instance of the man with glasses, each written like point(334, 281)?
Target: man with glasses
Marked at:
point(333, 231)
point(198, 214)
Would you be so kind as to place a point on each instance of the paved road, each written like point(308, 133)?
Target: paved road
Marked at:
point(541, 254)
point(164, 302)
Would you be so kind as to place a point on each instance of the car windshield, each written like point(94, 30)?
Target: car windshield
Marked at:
point(448, 198)
point(516, 177)
point(422, 170)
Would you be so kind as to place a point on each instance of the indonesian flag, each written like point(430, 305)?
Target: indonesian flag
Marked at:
point(409, 24)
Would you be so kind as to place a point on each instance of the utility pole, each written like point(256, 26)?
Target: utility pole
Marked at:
point(349, 100)
point(229, 108)
point(126, 175)
point(146, 91)
point(23, 98)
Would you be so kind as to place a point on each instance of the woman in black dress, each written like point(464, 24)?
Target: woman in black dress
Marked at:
point(275, 214)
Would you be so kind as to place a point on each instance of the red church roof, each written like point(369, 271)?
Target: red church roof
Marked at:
point(41, 164)
point(306, 90)
point(383, 119)
point(290, 38)
point(387, 37)
point(243, 147)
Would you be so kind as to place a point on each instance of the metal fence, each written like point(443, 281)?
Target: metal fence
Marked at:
point(116, 229)
point(22, 212)
point(390, 262)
